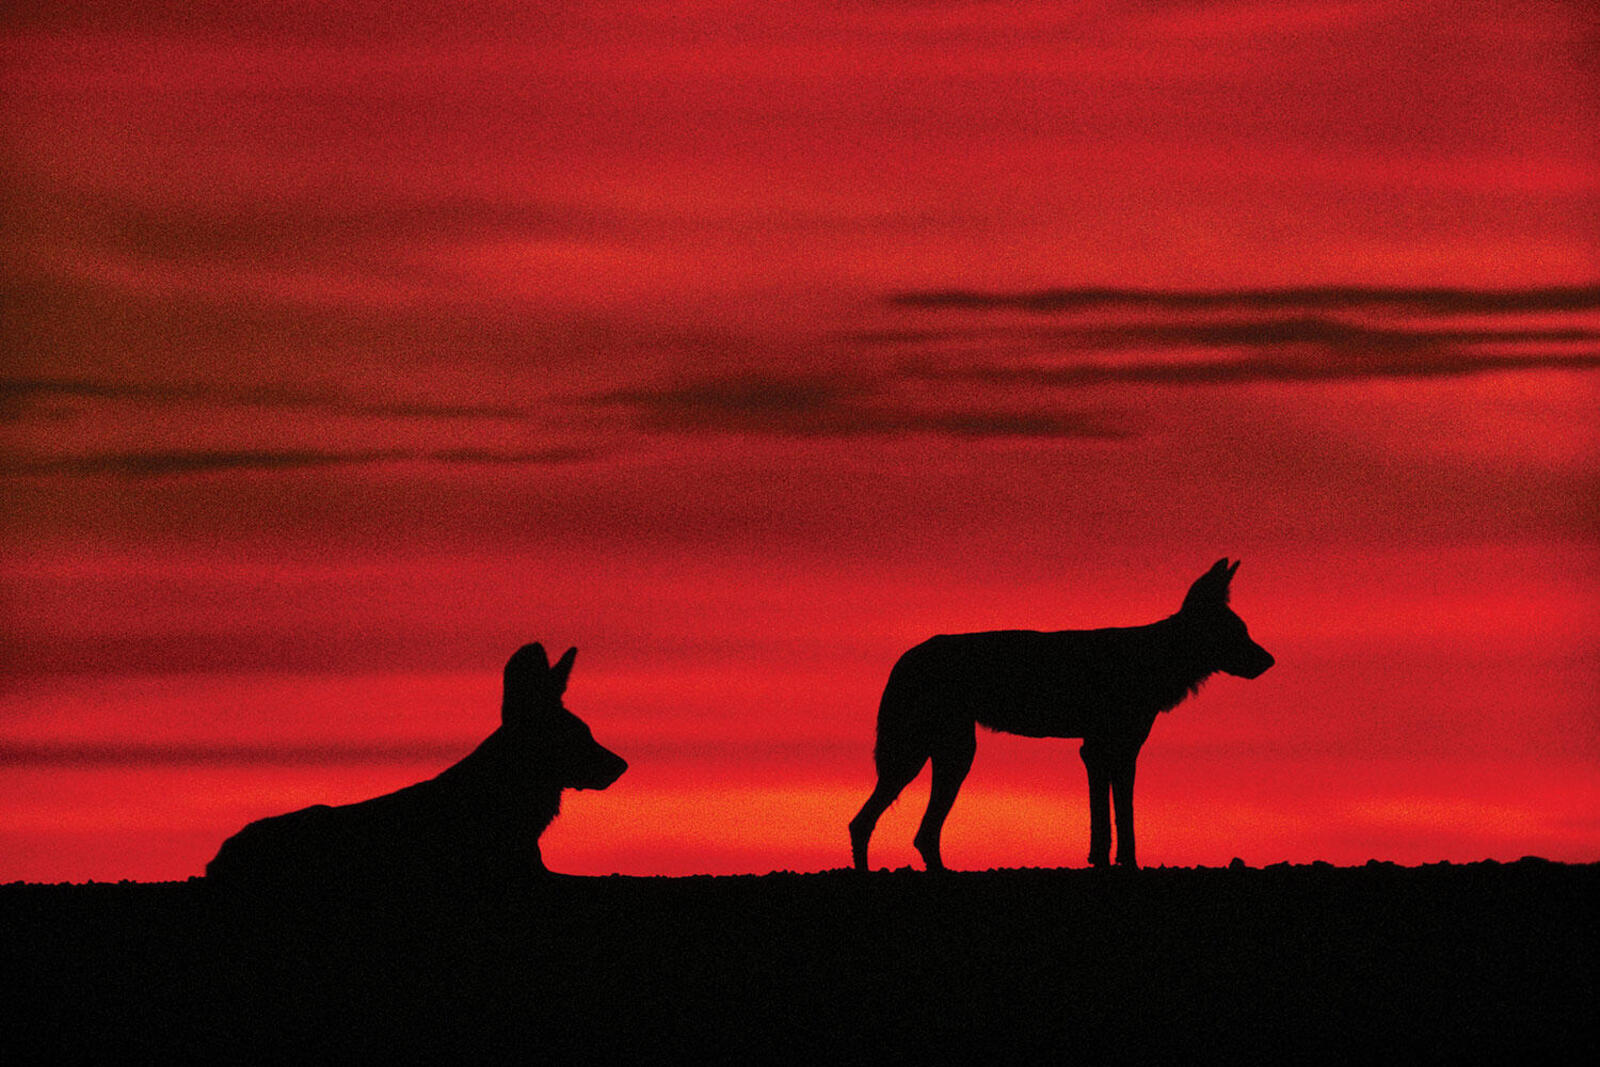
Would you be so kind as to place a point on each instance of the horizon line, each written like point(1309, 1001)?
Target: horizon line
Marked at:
point(850, 874)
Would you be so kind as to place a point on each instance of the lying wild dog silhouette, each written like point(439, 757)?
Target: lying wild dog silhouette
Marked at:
point(478, 821)
point(1105, 686)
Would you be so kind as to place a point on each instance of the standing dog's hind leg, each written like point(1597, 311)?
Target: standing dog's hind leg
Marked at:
point(950, 766)
point(892, 778)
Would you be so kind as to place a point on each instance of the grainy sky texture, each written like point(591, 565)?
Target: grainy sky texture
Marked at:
point(350, 346)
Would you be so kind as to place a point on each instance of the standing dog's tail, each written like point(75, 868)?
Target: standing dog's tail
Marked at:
point(902, 743)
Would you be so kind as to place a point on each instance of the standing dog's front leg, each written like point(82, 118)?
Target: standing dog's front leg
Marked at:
point(1122, 791)
point(1099, 805)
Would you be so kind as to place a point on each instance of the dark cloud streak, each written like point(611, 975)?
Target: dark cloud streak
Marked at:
point(1437, 300)
point(367, 232)
point(804, 406)
point(1139, 338)
point(1329, 334)
point(164, 464)
point(1261, 369)
point(1239, 333)
point(16, 392)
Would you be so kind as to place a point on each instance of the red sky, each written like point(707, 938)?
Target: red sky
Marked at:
point(351, 346)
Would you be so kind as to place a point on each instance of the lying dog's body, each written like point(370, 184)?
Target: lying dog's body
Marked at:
point(480, 820)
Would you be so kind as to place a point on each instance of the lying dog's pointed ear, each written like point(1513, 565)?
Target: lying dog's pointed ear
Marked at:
point(525, 676)
point(530, 659)
point(562, 670)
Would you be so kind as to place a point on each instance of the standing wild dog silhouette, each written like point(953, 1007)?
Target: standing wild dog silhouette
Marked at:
point(478, 821)
point(1105, 686)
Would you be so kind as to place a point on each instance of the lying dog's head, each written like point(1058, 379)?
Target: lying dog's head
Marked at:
point(559, 746)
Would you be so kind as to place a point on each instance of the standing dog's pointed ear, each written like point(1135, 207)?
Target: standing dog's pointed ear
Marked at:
point(562, 670)
point(1211, 588)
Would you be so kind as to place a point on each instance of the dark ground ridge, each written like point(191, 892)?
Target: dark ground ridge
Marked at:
point(1439, 963)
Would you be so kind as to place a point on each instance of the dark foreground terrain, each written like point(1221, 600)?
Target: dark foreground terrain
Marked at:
point(1484, 962)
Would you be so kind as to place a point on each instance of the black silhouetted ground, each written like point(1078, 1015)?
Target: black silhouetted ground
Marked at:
point(1482, 962)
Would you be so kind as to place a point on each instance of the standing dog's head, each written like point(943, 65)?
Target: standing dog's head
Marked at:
point(1225, 638)
point(559, 744)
